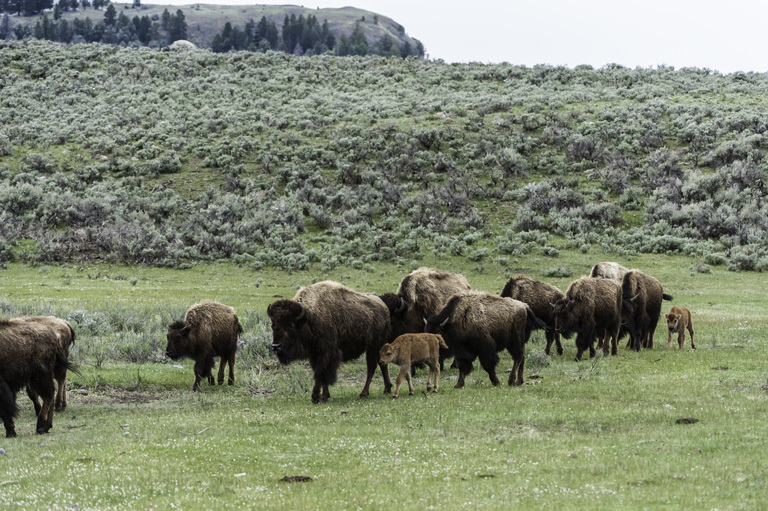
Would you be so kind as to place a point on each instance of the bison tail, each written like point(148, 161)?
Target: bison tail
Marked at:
point(666, 296)
point(72, 333)
point(8, 407)
point(62, 361)
point(239, 328)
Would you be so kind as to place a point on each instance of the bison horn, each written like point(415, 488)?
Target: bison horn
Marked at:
point(301, 314)
point(634, 297)
point(442, 325)
point(402, 306)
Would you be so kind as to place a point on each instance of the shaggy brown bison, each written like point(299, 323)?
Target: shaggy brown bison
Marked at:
point(66, 337)
point(209, 329)
point(589, 308)
point(540, 296)
point(410, 348)
point(29, 354)
point(678, 320)
point(421, 293)
point(479, 325)
point(328, 324)
point(608, 270)
point(641, 308)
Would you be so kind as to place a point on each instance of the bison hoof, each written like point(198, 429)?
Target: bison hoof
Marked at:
point(42, 431)
point(395, 396)
point(429, 389)
point(10, 434)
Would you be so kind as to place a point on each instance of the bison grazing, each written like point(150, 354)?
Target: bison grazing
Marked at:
point(641, 308)
point(479, 325)
point(539, 296)
point(209, 329)
point(410, 348)
point(66, 337)
point(590, 307)
point(612, 271)
point(29, 354)
point(328, 324)
point(678, 319)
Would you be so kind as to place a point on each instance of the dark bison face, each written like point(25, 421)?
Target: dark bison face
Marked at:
point(562, 315)
point(402, 318)
point(177, 335)
point(288, 320)
point(434, 324)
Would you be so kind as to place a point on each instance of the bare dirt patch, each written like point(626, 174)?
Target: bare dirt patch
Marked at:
point(112, 395)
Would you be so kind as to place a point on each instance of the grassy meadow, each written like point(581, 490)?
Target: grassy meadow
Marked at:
point(600, 434)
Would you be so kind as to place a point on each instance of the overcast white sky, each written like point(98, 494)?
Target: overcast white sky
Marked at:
point(724, 35)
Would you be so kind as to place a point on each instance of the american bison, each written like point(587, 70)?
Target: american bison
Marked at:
point(608, 270)
point(209, 329)
point(410, 348)
point(479, 325)
point(641, 308)
point(678, 320)
point(66, 337)
point(328, 324)
point(589, 308)
point(29, 354)
point(421, 293)
point(540, 296)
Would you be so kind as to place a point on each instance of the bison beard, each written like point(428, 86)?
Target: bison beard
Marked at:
point(328, 324)
point(479, 325)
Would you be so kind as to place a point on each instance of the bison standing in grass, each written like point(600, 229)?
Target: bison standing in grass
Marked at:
point(66, 337)
point(540, 296)
point(328, 324)
point(641, 308)
point(479, 325)
point(29, 354)
point(209, 329)
point(678, 320)
point(410, 348)
point(589, 308)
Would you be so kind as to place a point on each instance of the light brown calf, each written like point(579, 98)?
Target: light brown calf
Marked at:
point(410, 348)
point(678, 319)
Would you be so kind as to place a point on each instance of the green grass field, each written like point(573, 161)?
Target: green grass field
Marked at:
point(599, 434)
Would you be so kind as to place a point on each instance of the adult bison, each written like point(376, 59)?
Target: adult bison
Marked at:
point(589, 308)
point(421, 293)
point(328, 324)
point(209, 329)
point(66, 337)
point(29, 354)
point(539, 296)
point(641, 307)
point(608, 270)
point(479, 325)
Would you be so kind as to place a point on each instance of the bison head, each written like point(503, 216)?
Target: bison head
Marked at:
point(563, 316)
point(673, 321)
point(387, 353)
point(403, 318)
point(288, 318)
point(178, 334)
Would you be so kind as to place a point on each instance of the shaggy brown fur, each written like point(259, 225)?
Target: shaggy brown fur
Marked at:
point(328, 324)
point(410, 348)
point(540, 296)
point(641, 308)
point(590, 307)
point(28, 357)
point(421, 293)
point(608, 270)
point(479, 325)
point(66, 336)
point(209, 329)
point(678, 319)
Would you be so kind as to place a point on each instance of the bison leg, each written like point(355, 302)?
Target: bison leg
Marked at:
point(33, 396)
point(316, 392)
point(202, 369)
point(410, 383)
point(61, 394)
point(489, 364)
point(45, 389)
point(553, 337)
point(231, 360)
point(8, 409)
point(681, 339)
point(465, 367)
point(403, 374)
point(690, 331)
point(516, 376)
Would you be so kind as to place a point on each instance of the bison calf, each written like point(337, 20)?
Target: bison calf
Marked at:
point(209, 329)
point(411, 348)
point(678, 319)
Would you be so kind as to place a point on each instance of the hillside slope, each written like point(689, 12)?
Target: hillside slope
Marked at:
point(206, 20)
point(167, 158)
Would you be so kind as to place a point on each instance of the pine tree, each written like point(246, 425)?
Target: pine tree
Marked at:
point(110, 16)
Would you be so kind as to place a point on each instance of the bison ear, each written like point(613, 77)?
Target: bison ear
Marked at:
point(185, 330)
point(302, 317)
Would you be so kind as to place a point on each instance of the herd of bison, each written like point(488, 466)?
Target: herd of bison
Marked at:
point(433, 315)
